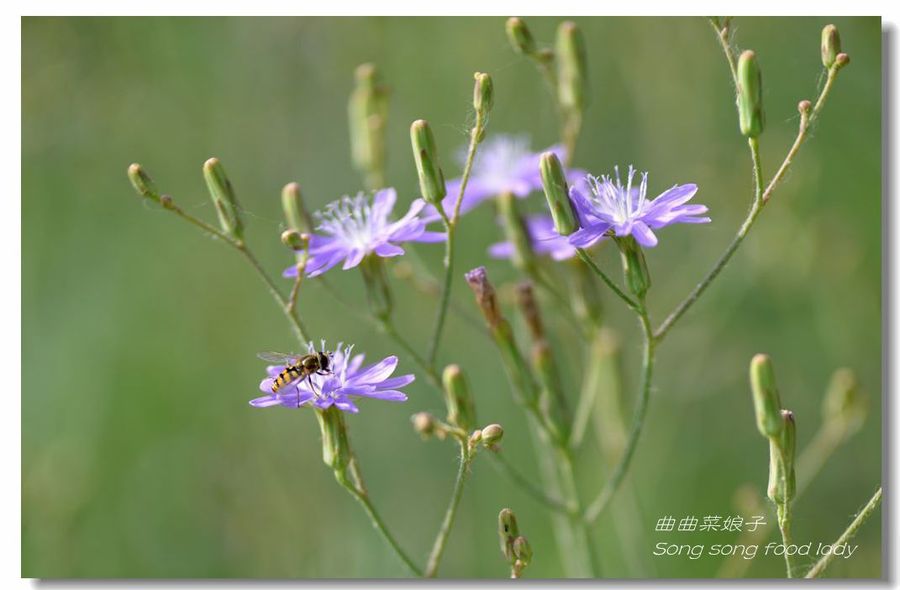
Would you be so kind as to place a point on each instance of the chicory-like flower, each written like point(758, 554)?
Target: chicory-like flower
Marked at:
point(346, 377)
point(543, 237)
point(607, 207)
point(504, 163)
point(353, 227)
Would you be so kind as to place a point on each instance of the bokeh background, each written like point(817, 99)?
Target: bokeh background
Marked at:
point(141, 457)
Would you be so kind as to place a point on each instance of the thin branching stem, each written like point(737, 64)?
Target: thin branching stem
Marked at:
point(533, 490)
point(864, 514)
point(605, 278)
point(437, 549)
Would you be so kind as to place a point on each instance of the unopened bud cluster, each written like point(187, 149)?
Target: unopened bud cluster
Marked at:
point(778, 426)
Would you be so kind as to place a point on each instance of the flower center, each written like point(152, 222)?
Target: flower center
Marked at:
point(622, 202)
point(352, 220)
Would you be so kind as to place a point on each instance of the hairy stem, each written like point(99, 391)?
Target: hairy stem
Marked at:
point(437, 549)
point(864, 514)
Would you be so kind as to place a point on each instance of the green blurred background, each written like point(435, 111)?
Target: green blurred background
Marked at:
point(141, 457)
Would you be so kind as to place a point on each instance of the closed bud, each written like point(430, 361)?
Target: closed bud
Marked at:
point(142, 183)
point(460, 405)
point(485, 296)
point(530, 310)
point(508, 529)
point(519, 36)
point(572, 67)
point(634, 265)
point(831, 45)
point(841, 60)
point(367, 112)
point(295, 240)
point(749, 101)
point(223, 198)
point(782, 479)
point(336, 451)
point(483, 98)
point(491, 435)
point(474, 439)
point(804, 107)
point(522, 550)
point(556, 191)
point(766, 402)
point(295, 212)
point(431, 178)
point(516, 233)
point(424, 424)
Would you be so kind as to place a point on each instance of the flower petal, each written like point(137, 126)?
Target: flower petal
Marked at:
point(389, 395)
point(501, 250)
point(346, 405)
point(643, 234)
point(387, 250)
point(265, 401)
point(376, 372)
point(588, 235)
point(395, 382)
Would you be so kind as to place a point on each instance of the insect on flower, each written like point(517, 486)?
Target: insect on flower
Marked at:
point(297, 367)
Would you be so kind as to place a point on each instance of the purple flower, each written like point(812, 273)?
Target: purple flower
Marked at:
point(353, 227)
point(606, 206)
point(543, 237)
point(347, 378)
point(504, 163)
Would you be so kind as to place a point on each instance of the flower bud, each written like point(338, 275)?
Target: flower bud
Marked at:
point(424, 424)
point(336, 451)
point(766, 402)
point(556, 191)
point(572, 67)
point(519, 36)
point(485, 296)
point(295, 212)
point(782, 480)
point(491, 435)
point(516, 233)
point(749, 101)
point(295, 240)
point(483, 99)
point(223, 198)
point(509, 531)
point(431, 178)
point(460, 405)
point(522, 550)
point(367, 113)
point(841, 60)
point(474, 439)
point(634, 265)
point(831, 45)
point(142, 183)
point(530, 310)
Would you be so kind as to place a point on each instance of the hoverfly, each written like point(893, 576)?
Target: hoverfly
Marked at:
point(298, 367)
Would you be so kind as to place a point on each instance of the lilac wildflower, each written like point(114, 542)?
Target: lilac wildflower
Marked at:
point(353, 227)
point(611, 208)
point(543, 237)
point(347, 378)
point(504, 163)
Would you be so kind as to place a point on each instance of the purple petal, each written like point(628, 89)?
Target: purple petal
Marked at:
point(395, 382)
point(388, 250)
point(501, 250)
point(643, 235)
point(389, 395)
point(376, 372)
point(355, 363)
point(265, 401)
point(677, 195)
point(290, 272)
point(430, 236)
point(354, 258)
point(588, 235)
point(266, 385)
point(346, 405)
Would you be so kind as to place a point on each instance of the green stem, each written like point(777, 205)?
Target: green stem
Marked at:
point(525, 485)
point(437, 549)
point(784, 525)
point(848, 534)
point(605, 278)
point(363, 498)
point(387, 326)
point(289, 310)
point(450, 226)
point(637, 425)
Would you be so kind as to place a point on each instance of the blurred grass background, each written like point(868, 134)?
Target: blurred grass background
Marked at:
point(141, 457)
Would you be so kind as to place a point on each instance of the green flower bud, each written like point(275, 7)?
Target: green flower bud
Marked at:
point(519, 36)
point(516, 233)
point(460, 405)
point(782, 480)
point(766, 402)
point(295, 240)
point(295, 212)
point(223, 198)
point(431, 178)
point(749, 89)
point(508, 529)
point(142, 183)
point(556, 191)
point(572, 68)
point(634, 265)
point(831, 45)
point(336, 452)
point(522, 550)
point(483, 99)
point(367, 113)
point(491, 435)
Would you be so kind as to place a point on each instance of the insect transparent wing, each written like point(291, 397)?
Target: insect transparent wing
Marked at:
point(279, 358)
